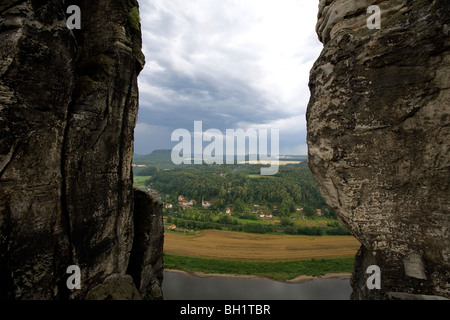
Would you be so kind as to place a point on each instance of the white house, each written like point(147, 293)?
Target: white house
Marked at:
point(169, 206)
point(206, 204)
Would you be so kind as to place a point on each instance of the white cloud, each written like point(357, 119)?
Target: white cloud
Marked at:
point(229, 63)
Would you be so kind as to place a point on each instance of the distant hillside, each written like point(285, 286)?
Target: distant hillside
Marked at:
point(161, 159)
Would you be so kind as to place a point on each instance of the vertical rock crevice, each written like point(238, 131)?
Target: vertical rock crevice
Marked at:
point(68, 108)
point(146, 259)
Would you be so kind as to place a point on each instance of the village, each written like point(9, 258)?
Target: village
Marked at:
point(184, 203)
point(241, 201)
point(261, 212)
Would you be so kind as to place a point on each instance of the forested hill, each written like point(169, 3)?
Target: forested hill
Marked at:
point(240, 187)
point(162, 159)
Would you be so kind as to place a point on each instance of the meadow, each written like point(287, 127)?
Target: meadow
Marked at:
point(228, 245)
point(279, 257)
point(292, 270)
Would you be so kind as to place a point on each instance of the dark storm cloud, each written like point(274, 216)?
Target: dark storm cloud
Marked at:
point(221, 62)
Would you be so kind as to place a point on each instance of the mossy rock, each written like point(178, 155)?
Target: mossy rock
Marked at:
point(134, 18)
point(115, 288)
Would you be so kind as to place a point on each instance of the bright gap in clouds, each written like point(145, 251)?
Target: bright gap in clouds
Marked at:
point(233, 64)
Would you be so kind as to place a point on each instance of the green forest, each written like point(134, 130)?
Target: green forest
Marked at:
point(240, 187)
point(291, 196)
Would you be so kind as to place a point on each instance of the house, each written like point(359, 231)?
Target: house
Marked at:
point(184, 203)
point(154, 192)
point(298, 208)
point(319, 212)
point(168, 206)
point(172, 227)
point(265, 215)
point(228, 211)
point(275, 208)
point(229, 190)
point(206, 204)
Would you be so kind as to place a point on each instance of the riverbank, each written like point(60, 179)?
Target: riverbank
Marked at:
point(187, 286)
point(287, 271)
point(298, 279)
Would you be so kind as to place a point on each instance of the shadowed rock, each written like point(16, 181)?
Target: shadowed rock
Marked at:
point(68, 108)
point(146, 261)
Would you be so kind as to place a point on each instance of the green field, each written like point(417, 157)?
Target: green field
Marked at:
point(139, 181)
point(278, 270)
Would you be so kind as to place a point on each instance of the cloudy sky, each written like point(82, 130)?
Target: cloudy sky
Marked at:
point(233, 64)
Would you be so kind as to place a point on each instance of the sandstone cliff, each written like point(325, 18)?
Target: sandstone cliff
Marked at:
point(379, 139)
point(68, 108)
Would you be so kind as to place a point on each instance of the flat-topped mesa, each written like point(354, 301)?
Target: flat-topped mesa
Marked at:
point(379, 139)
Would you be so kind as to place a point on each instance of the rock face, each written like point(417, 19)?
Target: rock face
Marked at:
point(146, 261)
point(379, 139)
point(68, 108)
point(115, 287)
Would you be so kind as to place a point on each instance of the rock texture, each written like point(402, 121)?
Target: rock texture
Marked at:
point(146, 261)
point(68, 108)
point(379, 139)
point(115, 287)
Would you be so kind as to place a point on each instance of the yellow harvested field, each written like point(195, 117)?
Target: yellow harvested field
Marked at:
point(245, 246)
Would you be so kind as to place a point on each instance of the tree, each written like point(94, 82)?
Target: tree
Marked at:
point(239, 205)
point(308, 212)
point(286, 222)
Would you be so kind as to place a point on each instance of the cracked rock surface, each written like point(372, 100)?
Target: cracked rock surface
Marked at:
point(379, 139)
point(68, 108)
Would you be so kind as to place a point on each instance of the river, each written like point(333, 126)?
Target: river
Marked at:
point(182, 286)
